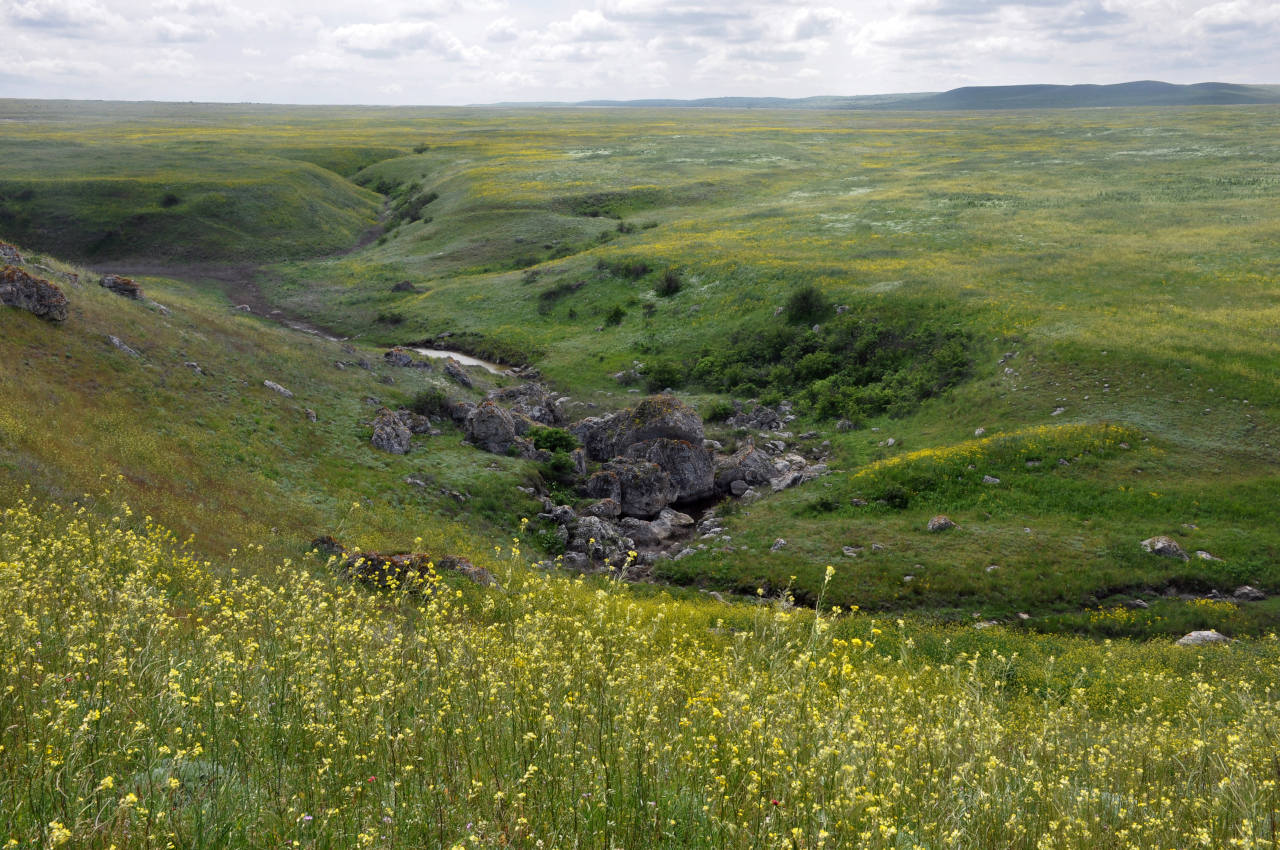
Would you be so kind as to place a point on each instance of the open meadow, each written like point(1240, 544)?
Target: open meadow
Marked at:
point(1058, 328)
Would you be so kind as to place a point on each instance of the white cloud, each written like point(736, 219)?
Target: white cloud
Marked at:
point(72, 17)
point(503, 29)
point(400, 38)
point(585, 25)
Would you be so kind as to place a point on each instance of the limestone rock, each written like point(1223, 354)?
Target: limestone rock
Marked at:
point(119, 344)
point(748, 465)
point(9, 253)
point(531, 401)
point(121, 285)
point(272, 385)
point(1248, 593)
point(491, 427)
point(1164, 546)
point(687, 465)
point(454, 370)
point(599, 541)
point(390, 434)
point(604, 509)
point(658, 417)
point(646, 488)
point(1202, 638)
point(35, 295)
point(941, 523)
point(605, 485)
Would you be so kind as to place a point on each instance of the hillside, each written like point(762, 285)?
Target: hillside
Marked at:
point(672, 571)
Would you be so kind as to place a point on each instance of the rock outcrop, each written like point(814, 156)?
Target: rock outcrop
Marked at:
point(35, 295)
point(491, 427)
point(687, 466)
point(454, 370)
point(531, 401)
point(9, 253)
point(645, 487)
point(121, 285)
point(390, 433)
point(659, 417)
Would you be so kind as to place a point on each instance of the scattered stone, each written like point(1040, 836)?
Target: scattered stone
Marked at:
point(1248, 593)
point(37, 296)
point(978, 432)
point(940, 523)
point(858, 503)
point(1202, 638)
point(404, 286)
point(1136, 605)
point(749, 497)
point(877, 547)
point(908, 579)
point(454, 370)
point(272, 385)
point(1032, 464)
point(991, 568)
point(1206, 556)
point(1164, 546)
point(1058, 411)
point(243, 308)
point(9, 253)
point(194, 367)
point(737, 488)
point(891, 442)
point(778, 544)
point(849, 551)
point(716, 596)
point(844, 425)
point(682, 554)
point(397, 570)
point(311, 414)
point(986, 624)
point(121, 285)
point(990, 479)
point(390, 434)
point(115, 340)
point(1023, 615)
point(402, 357)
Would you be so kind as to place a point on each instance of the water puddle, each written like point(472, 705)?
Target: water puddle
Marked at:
point(464, 359)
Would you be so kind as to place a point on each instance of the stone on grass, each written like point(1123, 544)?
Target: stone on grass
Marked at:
point(941, 523)
point(121, 285)
point(1202, 638)
point(1165, 547)
point(390, 434)
point(272, 385)
point(1248, 593)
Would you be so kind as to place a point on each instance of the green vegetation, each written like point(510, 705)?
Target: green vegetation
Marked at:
point(1058, 329)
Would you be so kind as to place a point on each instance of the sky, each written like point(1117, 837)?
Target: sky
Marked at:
point(451, 52)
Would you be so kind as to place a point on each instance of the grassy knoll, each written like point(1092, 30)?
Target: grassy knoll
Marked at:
point(151, 697)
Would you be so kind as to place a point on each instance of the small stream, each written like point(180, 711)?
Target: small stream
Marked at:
point(464, 359)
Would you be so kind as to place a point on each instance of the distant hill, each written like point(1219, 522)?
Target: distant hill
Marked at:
point(1141, 93)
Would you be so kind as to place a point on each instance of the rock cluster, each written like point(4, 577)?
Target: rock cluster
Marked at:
point(397, 569)
point(9, 253)
point(35, 295)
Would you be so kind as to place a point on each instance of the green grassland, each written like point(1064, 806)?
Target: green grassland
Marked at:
point(1094, 289)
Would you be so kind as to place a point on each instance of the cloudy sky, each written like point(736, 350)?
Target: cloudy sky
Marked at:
point(474, 51)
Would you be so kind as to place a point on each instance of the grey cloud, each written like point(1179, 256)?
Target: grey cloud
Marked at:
point(69, 17)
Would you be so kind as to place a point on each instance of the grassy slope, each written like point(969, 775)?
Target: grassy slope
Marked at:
point(218, 455)
point(1122, 257)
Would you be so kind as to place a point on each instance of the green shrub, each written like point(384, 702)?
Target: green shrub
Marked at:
point(431, 402)
point(718, 411)
point(614, 317)
point(669, 284)
point(807, 305)
point(552, 439)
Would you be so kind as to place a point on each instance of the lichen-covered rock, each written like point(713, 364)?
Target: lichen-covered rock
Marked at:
point(689, 466)
point(941, 523)
point(9, 253)
point(35, 295)
point(390, 434)
point(272, 385)
point(1164, 546)
point(599, 541)
point(658, 417)
point(748, 464)
point(491, 427)
point(605, 484)
point(604, 509)
point(411, 569)
point(121, 285)
point(646, 488)
point(404, 358)
point(530, 400)
point(454, 370)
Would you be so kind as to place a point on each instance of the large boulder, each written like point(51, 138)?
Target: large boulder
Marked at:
point(646, 488)
point(605, 484)
point(9, 253)
point(390, 433)
point(748, 464)
point(121, 285)
point(35, 295)
point(491, 427)
point(658, 417)
point(1202, 638)
point(689, 466)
